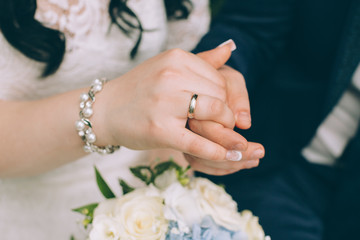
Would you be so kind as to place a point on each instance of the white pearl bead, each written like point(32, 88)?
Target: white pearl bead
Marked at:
point(87, 112)
point(91, 138)
point(97, 82)
point(87, 148)
point(88, 103)
point(97, 88)
point(88, 131)
point(81, 133)
point(84, 97)
point(80, 125)
point(82, 105)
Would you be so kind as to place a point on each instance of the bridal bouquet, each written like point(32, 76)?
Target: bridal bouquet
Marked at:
point(170, 206)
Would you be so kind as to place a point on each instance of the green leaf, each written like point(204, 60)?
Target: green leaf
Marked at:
point(88, 211)
point(72, 237)
point(104, 188)
point(183, 171)
point(163, 166)
point(125, 187)
point(144, 173)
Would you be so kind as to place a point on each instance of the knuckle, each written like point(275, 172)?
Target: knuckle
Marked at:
point(168, 73)
point(217, 154)
point(244, 143)
point(176, 53)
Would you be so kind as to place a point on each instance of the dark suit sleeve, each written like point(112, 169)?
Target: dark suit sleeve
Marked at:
point(260, 29)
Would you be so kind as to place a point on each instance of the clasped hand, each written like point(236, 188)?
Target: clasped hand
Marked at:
point(147, 108)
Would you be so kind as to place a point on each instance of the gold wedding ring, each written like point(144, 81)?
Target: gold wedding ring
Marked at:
point(192, 106)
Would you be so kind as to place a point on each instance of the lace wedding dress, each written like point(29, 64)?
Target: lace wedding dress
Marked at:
point(40, 207)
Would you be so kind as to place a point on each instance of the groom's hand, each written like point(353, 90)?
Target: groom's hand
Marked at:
point(238, 101)
point(237, 95)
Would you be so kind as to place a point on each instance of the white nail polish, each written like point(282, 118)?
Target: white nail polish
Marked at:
point(231, 43)
point(233, 155)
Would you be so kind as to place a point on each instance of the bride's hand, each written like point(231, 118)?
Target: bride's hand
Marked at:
point(147, 107)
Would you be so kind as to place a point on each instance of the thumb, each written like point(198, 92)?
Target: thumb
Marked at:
point(218, 56)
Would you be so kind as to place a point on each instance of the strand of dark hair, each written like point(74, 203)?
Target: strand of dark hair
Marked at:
point(46, 45)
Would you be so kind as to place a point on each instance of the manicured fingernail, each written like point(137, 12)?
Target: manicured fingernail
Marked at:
point(258, 153)
point(229, 42)
point(244, 117)
point(233, 155)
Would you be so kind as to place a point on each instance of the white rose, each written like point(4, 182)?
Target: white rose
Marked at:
point(181, 206)
point(166, 179)
point(150, 191)
point(141, 217)
point(105, 228)
point(106, 207)
point(252, 227)
point(214, 201)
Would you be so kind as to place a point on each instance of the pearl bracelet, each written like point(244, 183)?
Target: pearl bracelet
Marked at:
point(84, 127)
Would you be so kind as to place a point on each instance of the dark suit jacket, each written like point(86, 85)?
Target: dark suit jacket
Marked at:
point(297, 57)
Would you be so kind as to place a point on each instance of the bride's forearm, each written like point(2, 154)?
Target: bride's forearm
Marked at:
point(40, 135)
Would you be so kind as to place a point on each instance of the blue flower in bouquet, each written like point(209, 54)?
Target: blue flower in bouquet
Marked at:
point(206, 230)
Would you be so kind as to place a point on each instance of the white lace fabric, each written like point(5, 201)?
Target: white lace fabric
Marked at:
point(40, 207)
point(75, 18)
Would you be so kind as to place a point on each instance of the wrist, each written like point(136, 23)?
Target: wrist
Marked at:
point(91, 125)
